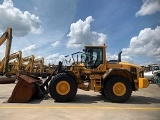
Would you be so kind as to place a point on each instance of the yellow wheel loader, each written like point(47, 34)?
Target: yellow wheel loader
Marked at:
point(89, 71)
point(114, 79)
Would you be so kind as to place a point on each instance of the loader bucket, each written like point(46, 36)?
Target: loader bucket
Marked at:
point(25, 89)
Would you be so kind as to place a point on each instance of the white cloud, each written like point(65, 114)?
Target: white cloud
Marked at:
point(35, 8)
point(38, 57)
point(56, 43)
point(2, 48)
point(158, 58)
point(22, 23)
point(146, 64)
point(28, 50)
point(2, 51)
point(81, 34)
point(147, 43)
point(54, 58)
point(124, 58)
point(149, 7)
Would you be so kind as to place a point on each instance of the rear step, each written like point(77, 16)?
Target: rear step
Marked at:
point(26, 88)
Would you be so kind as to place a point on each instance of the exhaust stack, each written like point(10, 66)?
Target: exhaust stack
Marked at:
point(119, 56)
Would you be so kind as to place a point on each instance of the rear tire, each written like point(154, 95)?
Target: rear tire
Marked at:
point(118, 89)
point(63, 87)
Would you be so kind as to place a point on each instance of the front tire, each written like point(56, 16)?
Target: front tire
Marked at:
point(63, 87)
point(118, 89)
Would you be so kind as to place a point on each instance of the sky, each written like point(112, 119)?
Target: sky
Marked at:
point(55, 28)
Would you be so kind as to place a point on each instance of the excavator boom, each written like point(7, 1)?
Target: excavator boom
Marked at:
point(8, 37)
point(3, 38)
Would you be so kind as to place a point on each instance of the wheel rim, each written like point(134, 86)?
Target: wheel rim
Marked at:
point(63, 88)
point(119, 89)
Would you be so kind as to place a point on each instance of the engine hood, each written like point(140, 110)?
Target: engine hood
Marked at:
point(129, 64)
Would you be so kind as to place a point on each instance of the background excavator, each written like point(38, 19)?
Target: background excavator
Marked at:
point(38, 69)
point(28, 64)
point(15, 62)
point(6, 36)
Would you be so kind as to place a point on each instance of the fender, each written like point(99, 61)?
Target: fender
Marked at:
point(69, 72)
point(121, 72)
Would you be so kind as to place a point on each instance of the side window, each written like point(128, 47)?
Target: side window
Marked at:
point(93, 57)
point(99, 57)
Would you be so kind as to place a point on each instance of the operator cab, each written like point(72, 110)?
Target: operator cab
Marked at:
point(92, 56)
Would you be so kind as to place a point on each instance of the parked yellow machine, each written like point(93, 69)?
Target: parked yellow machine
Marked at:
point(38, 69)
point(6, 78)
point(28, 63)
point(16, 62)
point(6, 36)
point(115, 80)
point(38, 65)
point(49, 68)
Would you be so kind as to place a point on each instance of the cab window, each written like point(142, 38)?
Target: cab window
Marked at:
point(94, 57)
